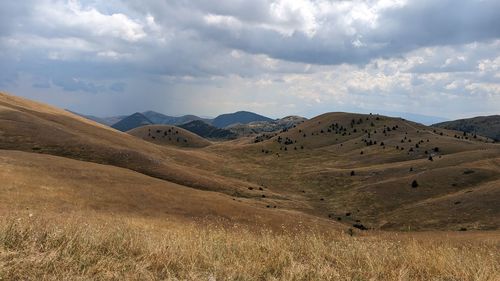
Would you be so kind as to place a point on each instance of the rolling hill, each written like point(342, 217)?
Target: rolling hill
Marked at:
point(241, 117)
point(337, 169)
point(50, 185)
point(359, 169)
point(168, 135)
point(258, 127)
point(488, 126)
point(34, 127)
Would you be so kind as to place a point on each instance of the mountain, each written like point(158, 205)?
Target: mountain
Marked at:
point(159, 118)
point(169, 135)
point(257, 127)
point(208, 131)
point(242, 117)
point(133, 121)
point(488, 126)
point(110, 120)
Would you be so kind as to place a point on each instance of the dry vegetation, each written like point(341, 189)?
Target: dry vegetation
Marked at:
point(81, 201)
point(117, 249)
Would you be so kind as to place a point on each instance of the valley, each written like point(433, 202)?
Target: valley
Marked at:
point(339, 175)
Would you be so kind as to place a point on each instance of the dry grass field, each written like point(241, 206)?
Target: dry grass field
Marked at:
point(330, 199)
point(100, 248)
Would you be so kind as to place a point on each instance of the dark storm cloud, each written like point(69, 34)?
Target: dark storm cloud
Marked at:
point(312, 52)
point(337, 36)
point(434, 23)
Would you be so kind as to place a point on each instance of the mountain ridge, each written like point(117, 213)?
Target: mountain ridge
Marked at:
point(488, 126)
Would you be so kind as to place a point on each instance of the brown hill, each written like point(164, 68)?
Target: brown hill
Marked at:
point(50, 185)
point(359, 169)
point(364, 171)
point(34, 127)
point(169, 135)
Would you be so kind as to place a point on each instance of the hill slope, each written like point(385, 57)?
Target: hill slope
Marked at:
point(359, 169)
point(363, 171)
point(133, 121)
point(34, 127)
point(169, 135)
point(242, 117)
point(488, 126)
point(257, 127)
point(51, 185)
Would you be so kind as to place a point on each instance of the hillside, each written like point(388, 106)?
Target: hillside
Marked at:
point(168, 135)
point(51, 185)
point(258, 127)
point(241, 117)
point(354, 170)
point(359, 169)
point(488, 126)
point(34, 127)
point(133, 121)
point(208, 131)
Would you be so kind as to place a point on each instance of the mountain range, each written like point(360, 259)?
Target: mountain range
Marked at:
point(488, 126)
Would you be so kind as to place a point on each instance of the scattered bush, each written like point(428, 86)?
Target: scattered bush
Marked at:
point(414, 184)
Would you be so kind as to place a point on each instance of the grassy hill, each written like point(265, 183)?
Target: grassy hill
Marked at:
point(257, 127)
point(33, 127)
point(488, 126)
point(359, 169)
point(169, 135)
point(334, 191)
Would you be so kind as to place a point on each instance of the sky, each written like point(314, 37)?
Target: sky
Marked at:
point(277, 58)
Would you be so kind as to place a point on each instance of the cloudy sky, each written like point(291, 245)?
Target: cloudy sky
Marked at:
point(430, 57)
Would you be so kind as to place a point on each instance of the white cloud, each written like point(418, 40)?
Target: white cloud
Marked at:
point(71, 14)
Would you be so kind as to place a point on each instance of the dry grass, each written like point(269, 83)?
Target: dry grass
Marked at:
point(112, 249)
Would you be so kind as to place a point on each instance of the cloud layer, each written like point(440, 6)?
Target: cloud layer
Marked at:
point(275, 57)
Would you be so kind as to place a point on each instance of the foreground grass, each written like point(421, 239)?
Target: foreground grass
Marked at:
point(82, 249)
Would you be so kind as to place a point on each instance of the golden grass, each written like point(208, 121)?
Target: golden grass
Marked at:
point(128, 249)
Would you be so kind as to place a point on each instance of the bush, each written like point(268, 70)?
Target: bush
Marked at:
point(414, 184)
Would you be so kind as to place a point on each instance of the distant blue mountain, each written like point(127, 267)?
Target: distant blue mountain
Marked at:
point(159, 118)
point(133, 121)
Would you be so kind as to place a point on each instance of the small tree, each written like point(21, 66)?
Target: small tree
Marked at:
point(414, 184)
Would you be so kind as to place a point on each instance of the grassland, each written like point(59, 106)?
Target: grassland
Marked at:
point(104, 248)
point(81, 201)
